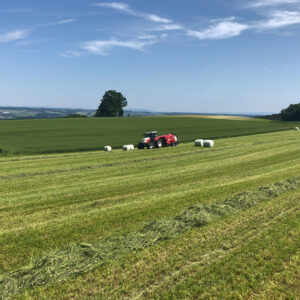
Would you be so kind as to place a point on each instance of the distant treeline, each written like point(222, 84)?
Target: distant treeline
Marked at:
point(292, 113)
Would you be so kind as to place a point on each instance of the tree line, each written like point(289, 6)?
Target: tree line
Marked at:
point(291, 113)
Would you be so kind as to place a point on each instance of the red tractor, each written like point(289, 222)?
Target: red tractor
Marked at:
point(152, 140)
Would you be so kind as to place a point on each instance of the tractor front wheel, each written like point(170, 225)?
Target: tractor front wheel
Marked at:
point(150, 145)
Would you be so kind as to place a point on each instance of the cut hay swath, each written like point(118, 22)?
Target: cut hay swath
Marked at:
point(84, 257)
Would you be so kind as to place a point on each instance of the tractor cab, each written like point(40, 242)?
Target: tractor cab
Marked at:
point(152, 135)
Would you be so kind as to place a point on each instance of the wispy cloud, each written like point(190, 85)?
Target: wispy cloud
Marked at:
point(103, 47)
point(60, 22)
point(167, 27)
point(70, 54)
point(147, 37)
point(12, 36)
point(224, 29)
point(123, 7)
point(157, 19)
point(116, 5)
point(269, 3)
point(279, 19)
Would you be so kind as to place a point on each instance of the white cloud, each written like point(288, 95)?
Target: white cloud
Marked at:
point(60, 22)
point(147, 37)
point(222, 30)
point(230, 28)
point(123, 7)
point(70, 54)
point(116, 5)
point(102, 47)
point(268, 3)
point(167, 27)
point(66, 21)
point(13, 36)
point(279, 19)
point(158, 19)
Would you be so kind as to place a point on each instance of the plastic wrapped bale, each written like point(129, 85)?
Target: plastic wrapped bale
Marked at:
point(127, 148)
point(131, 147)
point(208, 143)
point(107, 148)
point(296, 128)
point(199, 143)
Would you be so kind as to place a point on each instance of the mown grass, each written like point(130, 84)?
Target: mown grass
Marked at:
point(49, 203)
point(65, 135)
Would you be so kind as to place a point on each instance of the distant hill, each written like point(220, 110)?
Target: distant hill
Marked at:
point(16, 113)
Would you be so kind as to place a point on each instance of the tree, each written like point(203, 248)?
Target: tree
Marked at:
point(292, 113)
point(111, 105)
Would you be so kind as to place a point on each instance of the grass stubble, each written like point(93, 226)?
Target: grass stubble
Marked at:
point(84, 257)
point(49, 204)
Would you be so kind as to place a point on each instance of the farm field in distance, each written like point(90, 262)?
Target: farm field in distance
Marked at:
point(65, 135)
point(170, 223)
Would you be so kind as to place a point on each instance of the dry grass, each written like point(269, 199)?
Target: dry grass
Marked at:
point(218, 117)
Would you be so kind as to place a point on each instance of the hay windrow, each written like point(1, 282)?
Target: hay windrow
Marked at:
point(82, 258)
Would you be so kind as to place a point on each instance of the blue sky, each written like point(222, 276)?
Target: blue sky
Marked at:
point(163, 55)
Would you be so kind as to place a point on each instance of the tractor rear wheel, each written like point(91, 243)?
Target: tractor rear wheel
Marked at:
point(159, 143)
point(150, 145)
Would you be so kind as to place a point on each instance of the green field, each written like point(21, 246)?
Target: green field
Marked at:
point(170, 223)
point(64, 135)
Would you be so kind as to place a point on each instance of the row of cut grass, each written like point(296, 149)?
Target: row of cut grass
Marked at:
point(50, 202)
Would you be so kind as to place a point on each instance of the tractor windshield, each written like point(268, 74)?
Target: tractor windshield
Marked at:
point(150, 135)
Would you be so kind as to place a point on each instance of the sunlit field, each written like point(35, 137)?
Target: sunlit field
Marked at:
point(180, 222)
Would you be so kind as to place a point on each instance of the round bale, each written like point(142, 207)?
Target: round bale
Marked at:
point(296, 128)
point(199, 143)
point(107, 148)
point(126, 148)
point(209, 143)
point(131, 147)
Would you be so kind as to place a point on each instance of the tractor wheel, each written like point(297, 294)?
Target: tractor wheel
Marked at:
point(173, 144)
point(159, 143)
point(141, 146)
point(150, 145)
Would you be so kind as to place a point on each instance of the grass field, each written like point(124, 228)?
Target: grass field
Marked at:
point(169, 223)
point(64, 135)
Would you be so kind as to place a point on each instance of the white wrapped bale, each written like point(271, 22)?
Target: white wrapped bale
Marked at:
point(131, 147)
point(208, 143)
point(126, 148)
point(296, 128)
point(199, 143)
point(107, 148)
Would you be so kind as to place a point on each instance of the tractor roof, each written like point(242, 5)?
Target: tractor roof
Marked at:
point(151, 132)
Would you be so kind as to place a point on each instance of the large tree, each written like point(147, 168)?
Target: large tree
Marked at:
point(292, 113)
point(111, 105)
